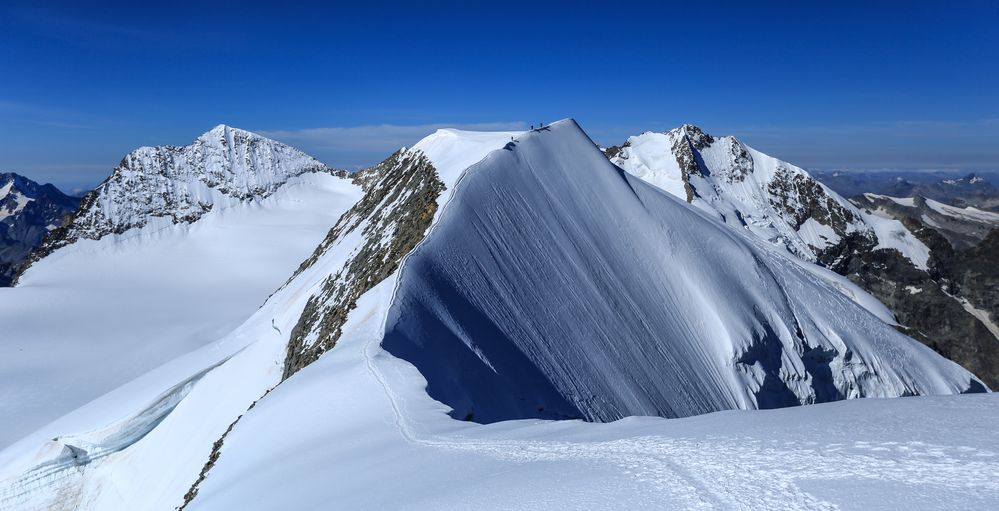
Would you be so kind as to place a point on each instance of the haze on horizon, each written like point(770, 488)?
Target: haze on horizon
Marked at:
point(856, 85)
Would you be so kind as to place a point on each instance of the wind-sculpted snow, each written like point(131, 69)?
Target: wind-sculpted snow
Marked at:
point(556, 286)
point(364, 434)
point(172, 185)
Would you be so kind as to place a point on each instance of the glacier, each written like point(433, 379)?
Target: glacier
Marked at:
point(96, 313)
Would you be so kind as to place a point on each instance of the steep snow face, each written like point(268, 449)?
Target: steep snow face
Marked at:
point(555, 286)
point(168, 185)
point(400, 203)
point(776, 201)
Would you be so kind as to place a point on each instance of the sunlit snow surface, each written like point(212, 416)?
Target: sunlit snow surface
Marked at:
point(97, 314)
point(357, 429)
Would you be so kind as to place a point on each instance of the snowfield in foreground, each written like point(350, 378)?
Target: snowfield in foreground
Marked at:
point(357, 428)
point(733, 322)
point(366, 436)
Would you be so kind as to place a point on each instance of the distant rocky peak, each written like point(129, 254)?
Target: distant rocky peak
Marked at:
point(11, 183)
point(28, 211)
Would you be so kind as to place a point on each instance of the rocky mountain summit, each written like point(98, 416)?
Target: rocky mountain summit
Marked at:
point(28, 211)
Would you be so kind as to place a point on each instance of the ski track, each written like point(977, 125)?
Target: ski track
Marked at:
point(720, 472)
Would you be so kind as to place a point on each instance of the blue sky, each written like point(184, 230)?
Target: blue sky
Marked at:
point(874, 84)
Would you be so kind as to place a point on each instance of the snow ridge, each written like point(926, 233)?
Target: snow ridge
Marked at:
point(555, 286)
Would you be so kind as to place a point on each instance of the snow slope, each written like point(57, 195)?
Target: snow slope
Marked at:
point(98, 313)
point(357, 427)
point(890, 233)
point(962, 227)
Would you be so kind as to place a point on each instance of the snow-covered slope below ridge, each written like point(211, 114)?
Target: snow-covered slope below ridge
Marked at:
point(775, 200)
point(95, 314)
point(238, 421)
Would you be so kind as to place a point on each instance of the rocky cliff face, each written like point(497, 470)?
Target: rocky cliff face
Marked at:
point(28, 211)
point(952, 305)
point(392, 217)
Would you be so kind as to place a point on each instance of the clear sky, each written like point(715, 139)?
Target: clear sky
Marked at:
point(872, 84)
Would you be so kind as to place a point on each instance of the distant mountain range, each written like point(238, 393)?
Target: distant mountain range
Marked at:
point(28, 211)
point(956, 188)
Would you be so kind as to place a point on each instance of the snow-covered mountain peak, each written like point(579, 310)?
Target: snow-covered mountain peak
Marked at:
point(742, 187)
point(694, 134)
point(169, 185)
point(225, 134)
point(13, 198)
point(546, 218)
